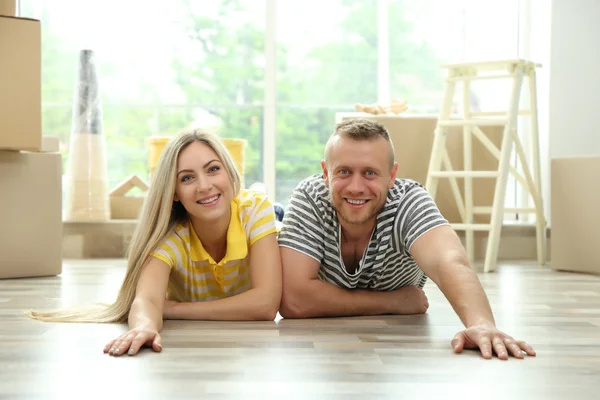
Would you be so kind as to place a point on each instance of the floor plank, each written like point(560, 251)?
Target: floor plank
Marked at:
point(363, 357)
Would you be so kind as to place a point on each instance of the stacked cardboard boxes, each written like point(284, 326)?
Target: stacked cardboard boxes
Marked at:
point(30, 166)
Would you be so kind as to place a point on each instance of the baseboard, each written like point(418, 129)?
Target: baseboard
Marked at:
point(111, 240)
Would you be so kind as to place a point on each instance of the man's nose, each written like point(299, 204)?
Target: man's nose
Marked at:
point(356, 184)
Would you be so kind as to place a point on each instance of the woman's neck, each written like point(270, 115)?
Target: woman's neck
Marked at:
point(212, 235)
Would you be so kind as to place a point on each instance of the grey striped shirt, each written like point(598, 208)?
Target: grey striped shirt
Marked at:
point(311, 226)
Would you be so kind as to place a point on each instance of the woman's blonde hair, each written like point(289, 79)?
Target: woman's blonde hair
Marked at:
point(158, 217)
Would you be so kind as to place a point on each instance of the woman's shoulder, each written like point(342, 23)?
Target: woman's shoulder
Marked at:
point(180, 233)
point(250, 199)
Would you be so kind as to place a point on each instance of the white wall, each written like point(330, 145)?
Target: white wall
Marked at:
point(573, 85)
point(574, 126)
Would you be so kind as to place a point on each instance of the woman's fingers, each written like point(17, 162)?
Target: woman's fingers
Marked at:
point(140, 340)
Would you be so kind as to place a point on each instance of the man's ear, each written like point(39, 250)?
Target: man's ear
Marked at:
point(393, 173)
point(325, 172)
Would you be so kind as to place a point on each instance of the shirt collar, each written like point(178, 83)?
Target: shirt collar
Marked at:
point(237, 246)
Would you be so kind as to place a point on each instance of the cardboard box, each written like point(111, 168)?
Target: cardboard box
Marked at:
point(123, 206)
point(8, 8)
point(30, 214)
point(574, 200)
point(20, 84)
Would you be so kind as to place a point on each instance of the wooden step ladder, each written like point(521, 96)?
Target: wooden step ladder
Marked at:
point(471, 121)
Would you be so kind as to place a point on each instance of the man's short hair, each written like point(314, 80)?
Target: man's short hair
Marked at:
point(361, 129)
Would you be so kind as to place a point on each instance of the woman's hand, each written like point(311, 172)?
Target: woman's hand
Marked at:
point(132, 341)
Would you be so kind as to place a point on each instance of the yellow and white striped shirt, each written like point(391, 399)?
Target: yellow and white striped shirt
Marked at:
point(195, 276)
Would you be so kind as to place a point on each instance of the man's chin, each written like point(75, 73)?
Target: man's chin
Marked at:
point(353, 221)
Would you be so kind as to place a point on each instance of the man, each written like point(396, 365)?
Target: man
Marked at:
point(357, 241)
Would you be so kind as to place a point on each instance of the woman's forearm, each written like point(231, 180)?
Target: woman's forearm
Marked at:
point(252, 305)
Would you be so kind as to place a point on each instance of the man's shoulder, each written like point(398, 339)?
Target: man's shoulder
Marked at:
point(402, 186)
point(314, 187)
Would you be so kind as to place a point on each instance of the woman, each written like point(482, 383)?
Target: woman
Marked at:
point(204, 249)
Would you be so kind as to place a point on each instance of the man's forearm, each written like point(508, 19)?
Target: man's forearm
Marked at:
point(462, 288)
point(322, 299)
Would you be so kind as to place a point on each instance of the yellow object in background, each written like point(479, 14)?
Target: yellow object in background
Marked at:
point(156, 145)
point(236, 147)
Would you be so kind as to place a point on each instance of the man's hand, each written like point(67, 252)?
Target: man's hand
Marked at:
point(487, 338)
point(408, 300)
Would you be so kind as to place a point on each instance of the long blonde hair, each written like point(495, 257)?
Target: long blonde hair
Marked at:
point(158, 217)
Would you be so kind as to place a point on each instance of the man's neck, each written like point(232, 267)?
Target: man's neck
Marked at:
point(357, 232)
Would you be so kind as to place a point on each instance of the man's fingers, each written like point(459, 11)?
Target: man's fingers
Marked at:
point(526, 347)
point(500, 348)
point(485, 346)
point(458, 342)
point(514, 348)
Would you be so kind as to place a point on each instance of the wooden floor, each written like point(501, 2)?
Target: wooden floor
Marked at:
point(350, 358)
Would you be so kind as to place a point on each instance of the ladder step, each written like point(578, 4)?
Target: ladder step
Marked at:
point(465, 174)
point(471, 76)
point(472, 122)
point(488, 210)
point(471, 227)
point(496, 113)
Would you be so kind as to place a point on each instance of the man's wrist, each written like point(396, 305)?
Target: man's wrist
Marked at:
point(483, 323)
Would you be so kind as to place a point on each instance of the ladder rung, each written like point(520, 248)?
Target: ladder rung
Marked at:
point(478, 77)
point(465, 174)
point(488, 210)
point(466, 122)
point(471, 227)
point(497, 113)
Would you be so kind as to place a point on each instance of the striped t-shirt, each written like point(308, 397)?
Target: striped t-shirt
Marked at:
point(195, 276)
point(311, 226)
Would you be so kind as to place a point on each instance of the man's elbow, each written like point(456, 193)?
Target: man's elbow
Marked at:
point(292, 308)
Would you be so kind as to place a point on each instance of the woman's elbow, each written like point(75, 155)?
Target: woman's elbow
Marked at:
point(267, 309)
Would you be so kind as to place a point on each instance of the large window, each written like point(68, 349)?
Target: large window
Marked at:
point(166, 66)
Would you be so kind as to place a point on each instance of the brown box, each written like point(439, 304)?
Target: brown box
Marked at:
point(412, 137)
point(123, 206)
point(8, 8)
point(30, 214)
point(20, 84)
point(574, 200)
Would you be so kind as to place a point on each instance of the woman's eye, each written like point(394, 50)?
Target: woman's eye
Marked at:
point(214, 169)
point(186, 178)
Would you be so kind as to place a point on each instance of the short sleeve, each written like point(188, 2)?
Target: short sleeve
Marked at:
point(419, 215)
point(302, 228)
point(170, 250)
point(261, 219)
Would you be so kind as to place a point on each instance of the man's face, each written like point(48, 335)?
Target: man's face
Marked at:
point(358, 175)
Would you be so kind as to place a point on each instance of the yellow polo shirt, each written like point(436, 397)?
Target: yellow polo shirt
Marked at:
point(195, 276)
